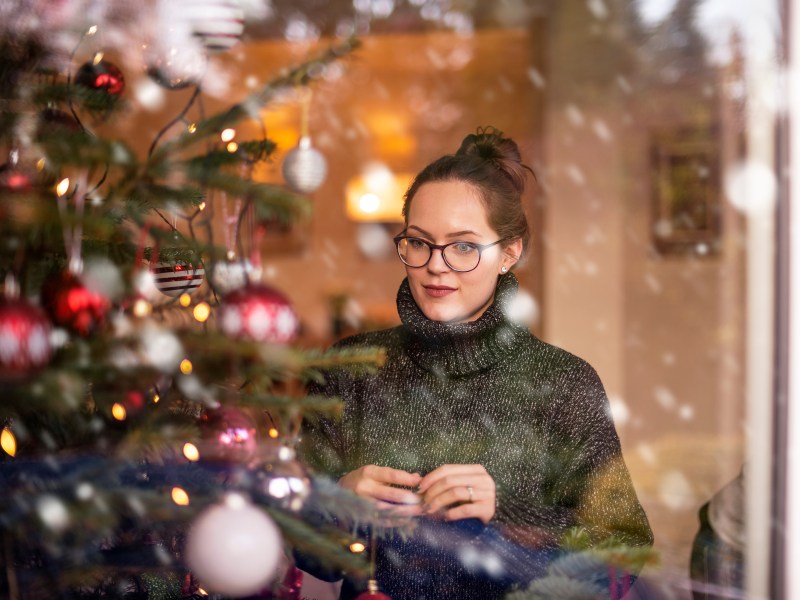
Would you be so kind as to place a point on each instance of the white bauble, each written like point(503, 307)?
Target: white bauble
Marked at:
point(230, 275)
point(304, 167)
point(234, 548)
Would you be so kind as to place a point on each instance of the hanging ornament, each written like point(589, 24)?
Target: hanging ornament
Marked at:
point(13, 179)
point(372, 592)
point(54, 120)
point(228, 435)
point(24, 336)
point(174, 279)
point(218, 24)
point(70, 304)
point(100, 74)
point(259, 313)
point(174, 59)
point(230, 275)
point(292, 585)
point(281, 480)
point(234, 548)
point(304, 167)
point(24, 339)
point(67, 299)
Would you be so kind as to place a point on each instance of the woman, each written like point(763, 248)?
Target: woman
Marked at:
point(473, 426)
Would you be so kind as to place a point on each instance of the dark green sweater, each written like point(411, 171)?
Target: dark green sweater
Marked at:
point(486, 392)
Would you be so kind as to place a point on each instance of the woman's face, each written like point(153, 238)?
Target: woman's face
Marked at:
point(449, 211)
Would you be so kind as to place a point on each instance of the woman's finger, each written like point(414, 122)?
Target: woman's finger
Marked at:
point(449, 471)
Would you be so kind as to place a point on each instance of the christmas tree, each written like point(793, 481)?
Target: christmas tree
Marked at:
point(151, 392)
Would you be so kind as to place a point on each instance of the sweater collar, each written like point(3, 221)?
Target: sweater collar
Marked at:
point(460, 348)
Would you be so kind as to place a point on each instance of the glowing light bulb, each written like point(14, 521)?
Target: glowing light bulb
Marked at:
point(186, 366)
point(97, 58)
point(201, 206)
point(192, 127)
point(357, 547)
point(142, 308)
point(92, 30)
point(273, 433)
point(227, 135)
point(180, 497)
point(118, 411)
point(63, 186)
point(201, 312)
point(232, 147)
point(8, 442)
point(185, 299)
point(191, 452)
point(156, 398)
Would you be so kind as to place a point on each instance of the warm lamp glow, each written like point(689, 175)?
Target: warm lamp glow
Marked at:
point(377, 195)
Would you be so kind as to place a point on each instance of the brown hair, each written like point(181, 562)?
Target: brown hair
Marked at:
point(492, 164)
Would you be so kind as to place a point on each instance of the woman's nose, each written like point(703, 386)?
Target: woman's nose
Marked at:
point(436, 262)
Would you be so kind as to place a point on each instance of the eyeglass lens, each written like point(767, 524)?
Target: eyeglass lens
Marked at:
point(459, 256)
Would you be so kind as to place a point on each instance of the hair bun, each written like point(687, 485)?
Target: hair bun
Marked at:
point(489, 144)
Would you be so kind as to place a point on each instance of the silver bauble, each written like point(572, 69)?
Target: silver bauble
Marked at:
point(304, 167)
point(230, 275)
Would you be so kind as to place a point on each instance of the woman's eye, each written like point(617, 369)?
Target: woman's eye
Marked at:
point(464, 247)
point(415, 243)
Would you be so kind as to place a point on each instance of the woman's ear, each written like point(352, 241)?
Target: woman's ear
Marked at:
point(511, 254)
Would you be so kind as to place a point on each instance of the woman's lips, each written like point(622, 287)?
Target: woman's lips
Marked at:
point(438, 291)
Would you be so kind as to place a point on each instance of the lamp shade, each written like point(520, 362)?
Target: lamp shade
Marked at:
point(376, 195)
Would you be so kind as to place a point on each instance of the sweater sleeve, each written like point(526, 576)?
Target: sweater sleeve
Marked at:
point(578, 476)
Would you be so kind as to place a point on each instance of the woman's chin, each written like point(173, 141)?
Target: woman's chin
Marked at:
point(444, 314)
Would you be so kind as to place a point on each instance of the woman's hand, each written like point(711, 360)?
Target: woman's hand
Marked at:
point(459, 492)
point(390, 488)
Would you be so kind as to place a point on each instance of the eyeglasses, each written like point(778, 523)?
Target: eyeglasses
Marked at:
point(459, 256)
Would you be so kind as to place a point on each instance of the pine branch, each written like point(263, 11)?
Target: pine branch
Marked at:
point(212, 126)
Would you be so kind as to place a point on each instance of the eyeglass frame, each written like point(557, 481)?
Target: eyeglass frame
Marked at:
point(441, 247)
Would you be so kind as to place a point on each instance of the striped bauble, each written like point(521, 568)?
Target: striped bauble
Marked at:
point(174, 279)
point(218, 24)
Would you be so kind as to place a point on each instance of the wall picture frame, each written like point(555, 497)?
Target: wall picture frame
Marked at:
point(686, 192)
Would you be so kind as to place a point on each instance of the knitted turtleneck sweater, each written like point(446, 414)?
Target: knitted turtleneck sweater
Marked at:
point(483, 392)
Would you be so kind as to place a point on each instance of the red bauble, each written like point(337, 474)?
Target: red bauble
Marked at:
point(259, 313)
point(14, 180)
point(372, 592)
point(228, 435)
point(176, 279)
point(72, 305)
point(24, 339)
point(102, 75)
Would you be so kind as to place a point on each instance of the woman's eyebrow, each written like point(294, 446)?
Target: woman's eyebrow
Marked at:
point(449, 235)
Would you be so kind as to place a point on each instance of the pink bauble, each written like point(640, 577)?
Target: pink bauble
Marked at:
point(258, 313)
point(234, 548)
point(24, 339)
point(228, 435)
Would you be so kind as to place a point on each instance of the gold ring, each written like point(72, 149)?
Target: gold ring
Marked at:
point(469, 491)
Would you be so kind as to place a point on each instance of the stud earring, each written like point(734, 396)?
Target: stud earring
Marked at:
point(504, 269)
